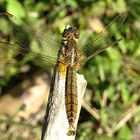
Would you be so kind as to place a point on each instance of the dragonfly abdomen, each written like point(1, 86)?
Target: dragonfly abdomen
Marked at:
point(71, 99)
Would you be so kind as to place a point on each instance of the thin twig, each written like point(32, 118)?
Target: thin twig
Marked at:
point(92, 111)
point(126, 117)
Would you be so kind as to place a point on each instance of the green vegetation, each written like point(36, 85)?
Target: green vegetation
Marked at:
point(113, 76)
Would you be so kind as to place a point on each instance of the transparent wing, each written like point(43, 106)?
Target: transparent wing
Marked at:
point(40, 58)
point(104, 39)
point(22, 39)
point(22, 29)
point(131, 66)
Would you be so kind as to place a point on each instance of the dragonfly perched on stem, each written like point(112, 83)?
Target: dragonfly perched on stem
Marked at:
point(67, 58)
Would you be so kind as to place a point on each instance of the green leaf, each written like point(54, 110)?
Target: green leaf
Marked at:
point(103, 137)
point(125, 133)
point(4, 26)
point(15, 8)
point(72, 3)
point(124, 92)
point(111, 92)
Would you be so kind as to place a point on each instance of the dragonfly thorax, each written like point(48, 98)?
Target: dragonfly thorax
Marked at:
point(70, 46)
point(71, 53)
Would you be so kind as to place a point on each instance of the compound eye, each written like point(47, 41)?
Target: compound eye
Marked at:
point(77, 35)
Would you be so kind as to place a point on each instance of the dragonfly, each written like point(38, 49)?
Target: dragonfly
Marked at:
point(68, 55)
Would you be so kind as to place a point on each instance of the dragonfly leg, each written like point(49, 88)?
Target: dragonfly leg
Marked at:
point(71, 130)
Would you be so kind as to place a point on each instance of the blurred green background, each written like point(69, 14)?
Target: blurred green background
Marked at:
point(111, 108)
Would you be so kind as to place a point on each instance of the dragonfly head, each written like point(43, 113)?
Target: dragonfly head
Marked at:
point(70, 33)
